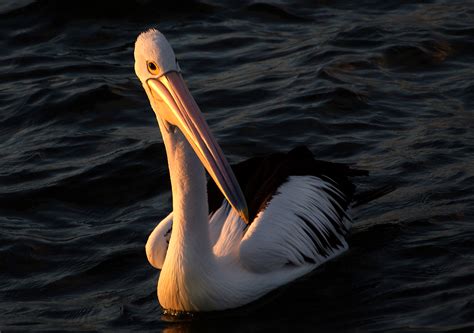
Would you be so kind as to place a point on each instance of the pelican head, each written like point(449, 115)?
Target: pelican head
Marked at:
point(158, 70)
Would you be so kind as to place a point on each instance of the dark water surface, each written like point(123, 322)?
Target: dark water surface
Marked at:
point(386, 86)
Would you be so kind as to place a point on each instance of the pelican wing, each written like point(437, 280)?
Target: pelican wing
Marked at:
point(297, 209)
point(157, 243)
point(303, 224)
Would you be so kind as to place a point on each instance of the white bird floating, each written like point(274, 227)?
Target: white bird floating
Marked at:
point(214, 251)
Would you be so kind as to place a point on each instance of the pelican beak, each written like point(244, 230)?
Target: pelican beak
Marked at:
point(185, 114)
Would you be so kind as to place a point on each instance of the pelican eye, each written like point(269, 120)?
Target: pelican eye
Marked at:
point(152, 67)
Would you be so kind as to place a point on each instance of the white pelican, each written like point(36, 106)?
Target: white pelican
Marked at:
point(214, 251)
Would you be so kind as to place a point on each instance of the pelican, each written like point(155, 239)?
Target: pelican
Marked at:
point(251, 228)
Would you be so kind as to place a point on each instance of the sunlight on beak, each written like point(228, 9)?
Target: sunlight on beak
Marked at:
point(185, 114)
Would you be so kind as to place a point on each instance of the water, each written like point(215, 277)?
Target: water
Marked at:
point(385, 86)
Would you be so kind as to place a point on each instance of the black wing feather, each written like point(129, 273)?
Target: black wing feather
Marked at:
point(260, 177)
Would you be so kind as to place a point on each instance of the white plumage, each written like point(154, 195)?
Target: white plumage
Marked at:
point(273, 250)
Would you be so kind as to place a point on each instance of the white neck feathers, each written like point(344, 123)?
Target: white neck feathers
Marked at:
point(189, 258)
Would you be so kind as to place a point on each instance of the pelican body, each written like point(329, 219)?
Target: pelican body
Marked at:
point(250, 229)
